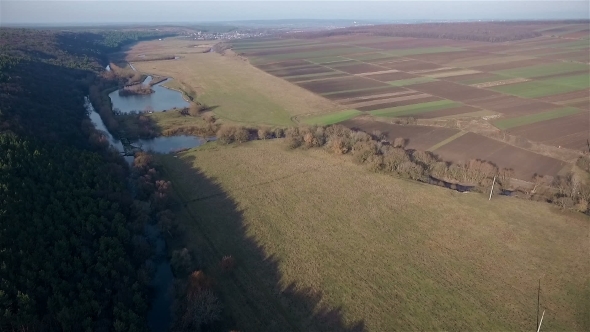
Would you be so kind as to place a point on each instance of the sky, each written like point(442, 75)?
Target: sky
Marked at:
point(131, 11)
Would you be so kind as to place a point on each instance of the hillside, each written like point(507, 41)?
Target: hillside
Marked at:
point(323, 244)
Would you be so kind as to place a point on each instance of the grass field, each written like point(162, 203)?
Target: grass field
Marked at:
point(415, 108)
point(331, 118)
point(581, 81)
point(235, 90)
point(528, 119)
point(544, 70)
point(534, 89)
point(323, 244)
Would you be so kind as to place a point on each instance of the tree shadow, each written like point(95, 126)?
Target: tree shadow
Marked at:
point(254, 294)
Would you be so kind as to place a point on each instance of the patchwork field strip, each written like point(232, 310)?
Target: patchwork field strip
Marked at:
point(532, 83)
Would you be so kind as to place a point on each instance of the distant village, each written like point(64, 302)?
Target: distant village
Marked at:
point(232, 35)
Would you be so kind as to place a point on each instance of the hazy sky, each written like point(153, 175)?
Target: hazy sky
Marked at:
point(131, 11)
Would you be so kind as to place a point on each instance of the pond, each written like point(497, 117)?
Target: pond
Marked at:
point(161, 100)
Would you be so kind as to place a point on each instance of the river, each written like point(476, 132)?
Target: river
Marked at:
point(159, 315)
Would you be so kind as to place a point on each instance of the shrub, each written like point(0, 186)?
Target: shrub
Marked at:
point(230, 134)
point(209, 118)
point(195, 109)
point(338, 145)
point(363, 150)
point(293, 142)
point(337, 131)
point(374, 162)
point(424, 158)
point(393, 157)
point(410, 170)
point(264, 133)
point(227, 264)
point(359, 136)
point(242, 135)
point(400, 142)
point(167, 222)
point(279, 132)
point(378, 135)
point(292, 131)
point(225, 134)
point(181, 262)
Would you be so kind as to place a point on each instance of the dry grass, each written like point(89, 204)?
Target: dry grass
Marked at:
point(238, 91)
point(393, 254)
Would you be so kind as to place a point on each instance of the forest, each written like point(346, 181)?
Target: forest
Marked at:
point(73, 256)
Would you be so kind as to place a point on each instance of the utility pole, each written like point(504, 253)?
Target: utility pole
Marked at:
point(543, 315)
point(538, 298)
point(492, 190)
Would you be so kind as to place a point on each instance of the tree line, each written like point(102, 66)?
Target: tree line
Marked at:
point(382, 154)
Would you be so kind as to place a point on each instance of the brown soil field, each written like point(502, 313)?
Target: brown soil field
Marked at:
point(567, 96)
point(384, 96)
point(405, 43)
point(570, 131)
point(341, 63)
point(355, 39)
point(489, 60)
point(512, 65)
point(446, 112)
point(434, 71)
point(525, 163)
point(341, 84)
point(577, 141)
point(582, 104)
point(300, 79)
point(360, 68)
point(384, 71)
point(581, 56)
point(388, 60)
point(453, 91)
point(283, 64)
point(410, 65)
point(446, 57)
point(452, 73)
point(419, 137)
point(502, 82)
point(564, 75)
point(470, 77)
point(301, 71)
point(578, 34)
point(273, 70)
point(400, 75)
point(295, 49)
point(402, 101)
point(513, 106)
point(404, 96)
point(365, 93)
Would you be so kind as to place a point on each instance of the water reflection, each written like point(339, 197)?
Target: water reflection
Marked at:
point(162, 99)
point(162, 144)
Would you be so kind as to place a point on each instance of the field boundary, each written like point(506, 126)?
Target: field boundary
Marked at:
point(446, 141)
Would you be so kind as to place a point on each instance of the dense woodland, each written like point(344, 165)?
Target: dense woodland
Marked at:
point(475, 31)
point(72, 250)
